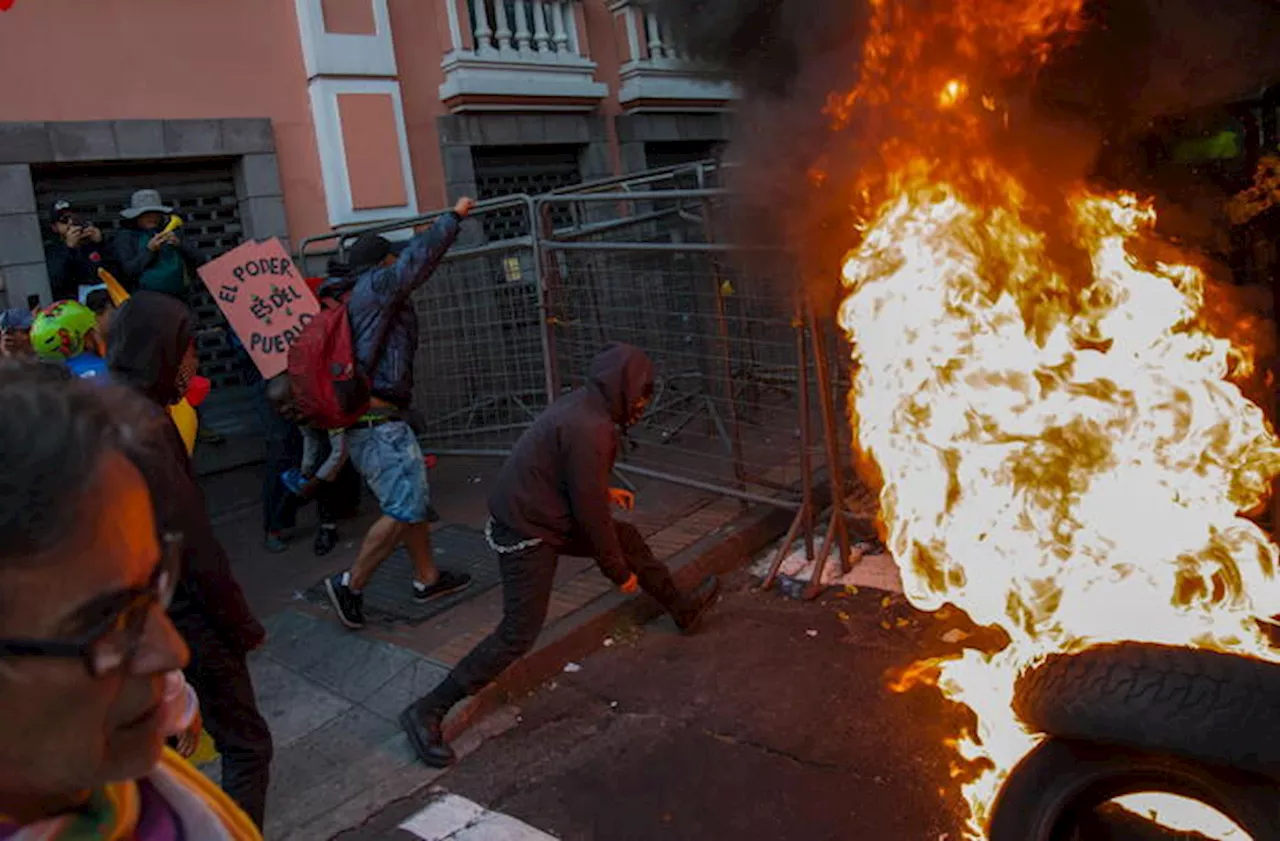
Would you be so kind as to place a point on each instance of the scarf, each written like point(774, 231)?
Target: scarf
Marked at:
point(174, 803)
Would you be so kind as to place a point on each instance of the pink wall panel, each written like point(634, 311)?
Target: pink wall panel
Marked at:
point(373, 152)
point(156, 59)
point(349, 17)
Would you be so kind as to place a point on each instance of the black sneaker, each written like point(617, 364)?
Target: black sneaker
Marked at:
point(422, 725)
point(349, 605)
point(326, 539)
point(689, 616)
point(448, 582)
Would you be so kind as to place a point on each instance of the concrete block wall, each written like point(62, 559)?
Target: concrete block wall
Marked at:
point(22, 271)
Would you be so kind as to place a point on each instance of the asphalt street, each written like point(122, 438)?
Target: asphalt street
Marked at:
point(775, 723)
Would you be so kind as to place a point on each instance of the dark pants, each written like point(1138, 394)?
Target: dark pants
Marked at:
point(220, 676)
point(282, 443)
point(339, 499)
point(527, 581)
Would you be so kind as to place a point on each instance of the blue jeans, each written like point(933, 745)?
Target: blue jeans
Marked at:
point(390, 460)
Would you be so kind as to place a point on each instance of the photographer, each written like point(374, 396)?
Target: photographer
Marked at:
point(76, 253)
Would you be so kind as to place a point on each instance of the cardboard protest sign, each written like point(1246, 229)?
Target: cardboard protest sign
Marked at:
point(265, 298)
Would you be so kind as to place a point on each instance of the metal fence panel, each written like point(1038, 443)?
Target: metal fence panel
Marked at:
point(508, 325)
point(726, 408)
point(481, 373)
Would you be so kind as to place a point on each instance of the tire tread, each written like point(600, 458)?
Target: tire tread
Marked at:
point(1194, 703)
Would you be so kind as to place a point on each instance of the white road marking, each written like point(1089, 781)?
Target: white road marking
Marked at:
point(453, 818)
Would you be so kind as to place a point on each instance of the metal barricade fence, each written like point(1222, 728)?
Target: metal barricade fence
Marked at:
point(507, 326)
point(726, 413)
point(480, 370)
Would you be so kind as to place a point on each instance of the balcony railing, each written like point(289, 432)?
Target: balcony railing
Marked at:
point(518, 48)
point(658, 71)
point(543, 30)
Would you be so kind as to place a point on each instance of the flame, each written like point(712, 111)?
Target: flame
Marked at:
point(1063, 447)
point(952, 93)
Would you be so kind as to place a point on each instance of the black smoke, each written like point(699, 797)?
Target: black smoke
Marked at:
point(1138, 60)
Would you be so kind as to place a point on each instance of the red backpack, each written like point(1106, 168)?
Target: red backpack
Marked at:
point(330, 388)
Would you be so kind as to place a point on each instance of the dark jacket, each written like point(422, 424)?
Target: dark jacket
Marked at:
point(384, 293)
point(555, 484)
point(147, 340)
point(70, 268)
point(170, 269)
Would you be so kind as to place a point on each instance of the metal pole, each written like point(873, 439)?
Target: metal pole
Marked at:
point(544, 314)
point(835, 473)
point(771, 578)
point(542, 229)
point(726, 350)
point(635, 195)
point(676, 247)
point(746, 496)
point(806, 431)
point(785, 504)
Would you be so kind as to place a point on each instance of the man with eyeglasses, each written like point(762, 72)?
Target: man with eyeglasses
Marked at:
point(86, 648)
point(151, 349)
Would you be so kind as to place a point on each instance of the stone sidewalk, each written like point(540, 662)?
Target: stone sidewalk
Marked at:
point(332, 697)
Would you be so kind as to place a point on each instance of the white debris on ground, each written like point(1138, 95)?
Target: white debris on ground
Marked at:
point(573, 668)
point(876, 571)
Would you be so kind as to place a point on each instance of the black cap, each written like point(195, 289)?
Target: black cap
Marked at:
point(58, 210)
point(369, 250)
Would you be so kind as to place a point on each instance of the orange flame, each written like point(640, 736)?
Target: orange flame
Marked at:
point(1063, 450)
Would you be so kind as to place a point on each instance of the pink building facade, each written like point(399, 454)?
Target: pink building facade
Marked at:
point(291, 118)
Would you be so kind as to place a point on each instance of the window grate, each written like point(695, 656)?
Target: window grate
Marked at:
point(506, 171)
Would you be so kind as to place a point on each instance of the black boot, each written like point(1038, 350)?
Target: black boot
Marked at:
point(688, 614)
point(326, 538)
point(423, 723)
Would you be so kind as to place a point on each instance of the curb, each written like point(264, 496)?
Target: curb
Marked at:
point(584, 631)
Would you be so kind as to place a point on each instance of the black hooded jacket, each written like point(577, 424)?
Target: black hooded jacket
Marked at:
point(148, 338)
point(555, 484)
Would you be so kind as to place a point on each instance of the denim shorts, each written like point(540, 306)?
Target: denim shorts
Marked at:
point(390, 460)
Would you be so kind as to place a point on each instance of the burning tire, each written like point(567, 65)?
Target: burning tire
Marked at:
point(1056, 792)
point(1218, 708)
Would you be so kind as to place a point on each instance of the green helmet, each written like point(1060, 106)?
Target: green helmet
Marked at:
point(60, 329)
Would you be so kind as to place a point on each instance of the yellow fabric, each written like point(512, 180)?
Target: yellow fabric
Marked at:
point(205, 750)
point(184, 417)
point(236, 822)
point(183, 414)
point(125, 803)
point(113, 813)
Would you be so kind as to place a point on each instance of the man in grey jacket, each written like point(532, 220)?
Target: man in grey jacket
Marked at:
point(553, 498)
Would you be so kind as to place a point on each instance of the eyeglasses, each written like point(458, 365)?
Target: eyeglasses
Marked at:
point(113, 642)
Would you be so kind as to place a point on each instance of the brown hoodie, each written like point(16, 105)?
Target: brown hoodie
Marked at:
point(555, 484)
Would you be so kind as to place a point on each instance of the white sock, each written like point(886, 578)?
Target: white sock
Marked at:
point(346, 582)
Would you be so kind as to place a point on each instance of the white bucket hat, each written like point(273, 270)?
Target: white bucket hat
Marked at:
point(145, 201)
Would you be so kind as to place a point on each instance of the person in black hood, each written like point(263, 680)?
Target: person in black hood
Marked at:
point(552, 498)
point(151, 349)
